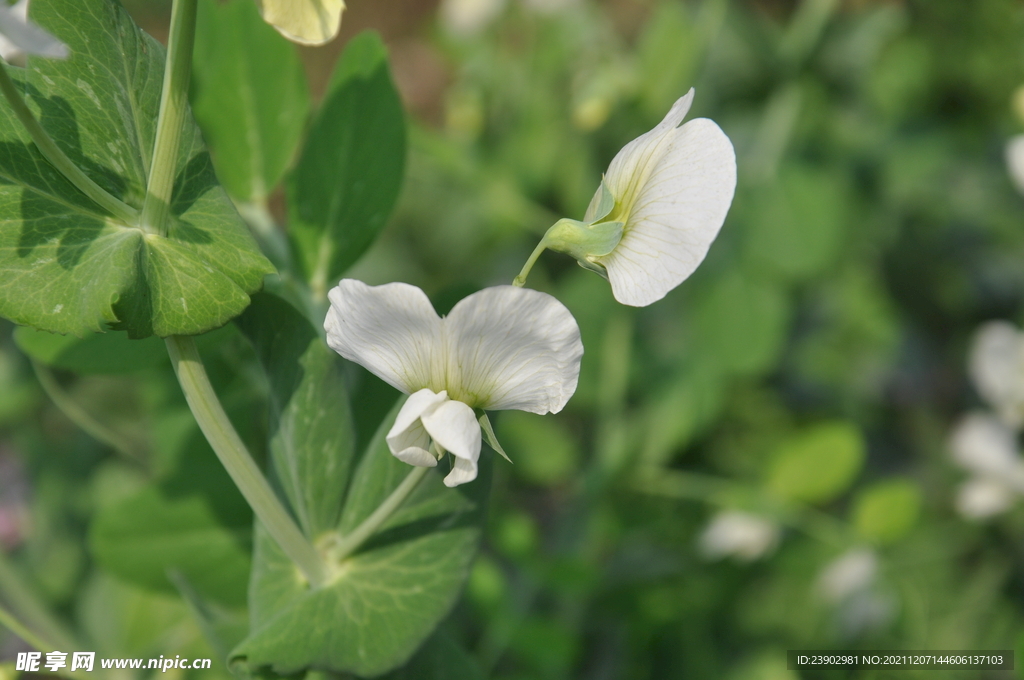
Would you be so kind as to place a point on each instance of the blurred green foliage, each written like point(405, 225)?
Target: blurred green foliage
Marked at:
point(809, 372)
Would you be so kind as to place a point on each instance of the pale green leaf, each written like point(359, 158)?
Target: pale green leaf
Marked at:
point(817, 464)
point(250, 97)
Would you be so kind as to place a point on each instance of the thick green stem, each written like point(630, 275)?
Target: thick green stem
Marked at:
point(520, 280)
point(173, 106)
point(58, 158)
point(236, 459)
point(80, 417)
point(350, 543)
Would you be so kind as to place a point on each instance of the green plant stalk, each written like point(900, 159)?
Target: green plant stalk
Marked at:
point(7, 620)
point(173, 107)
point(80, 417)
point(19, 595)
point(350, 543)
point(231, 451)
point(57, 158)
point(520, 280)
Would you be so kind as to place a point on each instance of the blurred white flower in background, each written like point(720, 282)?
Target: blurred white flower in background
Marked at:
point(987, 448)
point(986, 445)
point(996, 367)
point(19, 36)
point(501, 348)
point(741, 535)
point(1015, 161)
point(467, 18)
point(852, 572)
point(550, 6)
point(307, 22)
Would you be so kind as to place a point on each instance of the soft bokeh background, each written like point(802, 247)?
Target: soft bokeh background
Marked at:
point(804, 381)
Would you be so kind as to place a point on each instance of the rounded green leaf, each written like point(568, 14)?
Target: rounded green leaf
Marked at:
point(886, 511)
point(818, 464)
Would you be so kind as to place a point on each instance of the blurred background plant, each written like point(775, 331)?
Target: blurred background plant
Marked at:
point(760, 462)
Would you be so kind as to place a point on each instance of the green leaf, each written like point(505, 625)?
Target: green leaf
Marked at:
point(249, 96)
point(817, 464)
point(797, 225)
point(195, 523)
point(384, 600)
point(351, 166)
point(440, 658)
point(95, 353)
point(886, 511)
point(312, 438)
point(66, 266)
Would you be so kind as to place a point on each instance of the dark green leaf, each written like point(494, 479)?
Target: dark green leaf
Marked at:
point(312, 438)
point(250, 97)
point(384, 600)
point(350, 171)
point(65, 265)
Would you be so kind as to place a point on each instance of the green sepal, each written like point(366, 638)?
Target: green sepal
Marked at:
point(489, 436)
point(601, 206)
point(581, 240)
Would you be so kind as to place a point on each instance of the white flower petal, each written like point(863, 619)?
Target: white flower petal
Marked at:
point(677, 213)
point(25, 37)
point(980, 498)
point(391, 330)
point(407, 439)
point(513, 348)
point(996, 366)
point(454, 427)
point(309, 22)
point(462, 471)
point(629, 169)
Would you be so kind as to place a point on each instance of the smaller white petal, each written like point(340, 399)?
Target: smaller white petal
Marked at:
point(996, 366)
point(25, 36)
point(462, 471)
point(391, 330)
point(513, 348)
point(980, 498)
point(1015, 161)
point(407, 438)
point(454, 426)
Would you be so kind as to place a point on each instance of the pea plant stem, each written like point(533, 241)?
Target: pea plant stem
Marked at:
point(57, 158)
point(173, 106)
point(520, 280)
point(351, 542)
point(231, 451)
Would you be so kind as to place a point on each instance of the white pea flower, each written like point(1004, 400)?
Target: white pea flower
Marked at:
point(738, 534)
point(852, 572)
point(19, 36)
point(659, 207)
point(987, 448)
point(996, 366)
point(307, 22)
point(500, 348)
